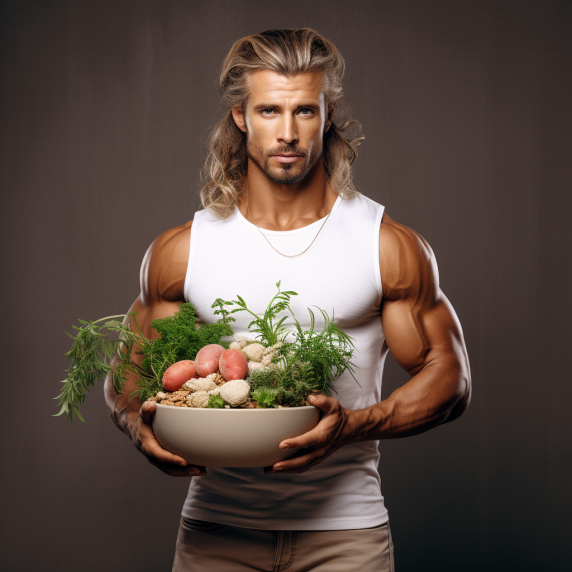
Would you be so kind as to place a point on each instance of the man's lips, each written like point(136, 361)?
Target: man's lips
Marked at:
point(286, 158)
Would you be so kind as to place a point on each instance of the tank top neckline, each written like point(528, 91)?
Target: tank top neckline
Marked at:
point(312, 226)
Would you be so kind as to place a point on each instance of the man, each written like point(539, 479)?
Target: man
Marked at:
point(279, 205)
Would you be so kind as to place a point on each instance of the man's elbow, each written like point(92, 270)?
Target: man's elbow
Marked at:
point(112, 397)
point(462, 397)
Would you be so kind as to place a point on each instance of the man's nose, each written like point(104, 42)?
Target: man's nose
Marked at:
point(288, 132)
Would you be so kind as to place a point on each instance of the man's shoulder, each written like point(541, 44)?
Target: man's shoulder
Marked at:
point(400, 238)
point(172, 243)
point(406, 260)
point(165, 264)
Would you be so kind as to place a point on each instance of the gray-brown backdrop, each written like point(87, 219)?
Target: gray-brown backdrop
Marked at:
point(105, 107)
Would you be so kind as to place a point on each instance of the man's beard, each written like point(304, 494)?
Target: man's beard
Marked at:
point(286, 173)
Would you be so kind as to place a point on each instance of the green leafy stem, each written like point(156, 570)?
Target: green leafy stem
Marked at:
point(265, 326)
point(92, 354)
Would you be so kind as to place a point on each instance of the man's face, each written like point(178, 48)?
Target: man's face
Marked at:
point(284, 122)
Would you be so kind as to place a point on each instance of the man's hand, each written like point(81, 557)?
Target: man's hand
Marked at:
point(332, 432)
point(145, 440)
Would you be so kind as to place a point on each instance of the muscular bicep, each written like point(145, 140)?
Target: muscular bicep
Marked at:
point(419, 323)
point(421, 332)
point(164, 268)
point(162, 279)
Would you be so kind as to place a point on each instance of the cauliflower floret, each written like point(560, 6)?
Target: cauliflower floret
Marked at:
point(273, 349)
point(161, 395)
point(241, 342)
point(198, 399)
point(235, 392)
point(201, 384)
point(254, 365)
point(269, 354)
point(254, 351)
point(215, 391)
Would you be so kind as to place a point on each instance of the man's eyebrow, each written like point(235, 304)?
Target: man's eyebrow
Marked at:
point(262, 106)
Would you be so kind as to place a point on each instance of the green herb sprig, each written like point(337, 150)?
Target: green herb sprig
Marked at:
point(328, 351)
point(91, 355)
point(309, 363)
point(222, 311)
point(108, 344)
point(268, 329)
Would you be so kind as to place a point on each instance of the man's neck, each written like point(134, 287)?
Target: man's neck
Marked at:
point(281, 207)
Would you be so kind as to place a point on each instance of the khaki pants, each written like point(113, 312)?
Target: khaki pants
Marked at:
point(209, 547)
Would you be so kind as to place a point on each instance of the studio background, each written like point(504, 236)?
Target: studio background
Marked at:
point(105, 108)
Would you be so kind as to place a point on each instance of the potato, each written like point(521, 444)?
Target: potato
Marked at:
point(206, 360)
point(233, 365)
point(178, 373)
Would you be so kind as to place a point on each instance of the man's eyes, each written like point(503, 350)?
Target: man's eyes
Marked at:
point(306, 111)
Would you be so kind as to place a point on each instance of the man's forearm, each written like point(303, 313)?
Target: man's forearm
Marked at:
point(434, 396)
point(123, 412)
point(124, 415)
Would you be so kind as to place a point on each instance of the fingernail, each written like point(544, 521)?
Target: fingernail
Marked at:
point(285, 446)
point(278, 468)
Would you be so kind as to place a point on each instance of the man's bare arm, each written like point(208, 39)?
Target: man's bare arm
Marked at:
point(424, 336)
point(162, 278)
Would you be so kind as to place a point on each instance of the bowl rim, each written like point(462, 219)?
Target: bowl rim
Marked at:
point(237, 408)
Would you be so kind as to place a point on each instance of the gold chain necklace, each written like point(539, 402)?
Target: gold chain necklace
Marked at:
point(282, 254)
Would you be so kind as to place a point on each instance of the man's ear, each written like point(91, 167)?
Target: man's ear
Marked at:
point(238, 116)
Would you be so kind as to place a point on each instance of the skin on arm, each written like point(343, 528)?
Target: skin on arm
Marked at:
point(424, 336)
point(162, 279)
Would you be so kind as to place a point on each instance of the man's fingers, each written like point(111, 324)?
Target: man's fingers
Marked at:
point(169, 463)
point(166, 461)
point(318, 401)
point(324, 403)
point(149, 444)
point(151, 448)
point(317, 436)
point(175, 471)
point(312, 437)
point(299, 464)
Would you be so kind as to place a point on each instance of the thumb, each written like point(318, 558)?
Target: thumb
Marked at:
point(320, 401)
point(147, 410)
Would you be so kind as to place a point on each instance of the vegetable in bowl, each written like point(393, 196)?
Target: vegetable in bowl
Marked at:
point(265, 371)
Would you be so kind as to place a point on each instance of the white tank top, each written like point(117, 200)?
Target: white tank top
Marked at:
point(339, 272)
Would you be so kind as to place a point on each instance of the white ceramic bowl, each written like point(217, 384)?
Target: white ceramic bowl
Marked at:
point(231, 437)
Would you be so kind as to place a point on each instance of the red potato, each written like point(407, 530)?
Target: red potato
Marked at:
point(206, 360)
point(233, 365)
point(178, 373)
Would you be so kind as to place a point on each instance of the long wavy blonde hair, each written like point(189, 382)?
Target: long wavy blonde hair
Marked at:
point(287, 52)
